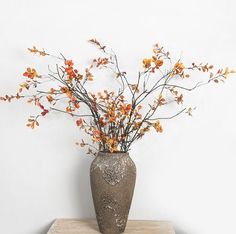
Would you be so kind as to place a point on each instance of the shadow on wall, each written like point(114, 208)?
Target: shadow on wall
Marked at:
point(83, 191)
point(180, 231)
point(45, 229)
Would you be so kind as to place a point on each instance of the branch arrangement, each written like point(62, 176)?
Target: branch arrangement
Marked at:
point(113, 119)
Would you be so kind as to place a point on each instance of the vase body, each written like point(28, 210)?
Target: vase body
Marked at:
point(112, 177)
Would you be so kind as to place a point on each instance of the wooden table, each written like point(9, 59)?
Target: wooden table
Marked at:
point(75, 226)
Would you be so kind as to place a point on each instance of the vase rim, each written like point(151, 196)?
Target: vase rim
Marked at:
point(102, 153)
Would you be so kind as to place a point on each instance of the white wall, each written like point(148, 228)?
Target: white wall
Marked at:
point(186, 175)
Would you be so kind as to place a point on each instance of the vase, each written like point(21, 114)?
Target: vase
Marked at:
point(112, 177)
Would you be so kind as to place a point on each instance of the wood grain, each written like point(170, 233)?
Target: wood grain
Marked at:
point(75, 226)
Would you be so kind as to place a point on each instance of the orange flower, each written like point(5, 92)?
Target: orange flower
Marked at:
point(147, 63)
point(31, 73)
point(66, 91)
point(161, 101)
point(76, 105)
point(69, 109)
point(144, 130)
point(179, 99)
point(89, 75)
point(102, 122)
point(137, 125)
point(125, 109)
point(112, 119)
point(79, 122)
point(96, 132)
point(23, 86)
point(69, 69)
point(101, 61)
point(158, 126)
point(112, 144)
point(32, 122)
point(158, 62)
point(178, 68)
point(69, 63)
point(97, 135)
point(34, 50)
point(50, 98)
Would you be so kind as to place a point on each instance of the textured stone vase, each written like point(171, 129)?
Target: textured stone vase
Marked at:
point(112, 178)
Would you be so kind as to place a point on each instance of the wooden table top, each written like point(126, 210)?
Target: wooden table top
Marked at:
point(75, 226)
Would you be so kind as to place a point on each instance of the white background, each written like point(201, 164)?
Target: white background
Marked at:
point(186, 175)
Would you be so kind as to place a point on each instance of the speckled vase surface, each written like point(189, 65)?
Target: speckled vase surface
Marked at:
point(112, 178)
